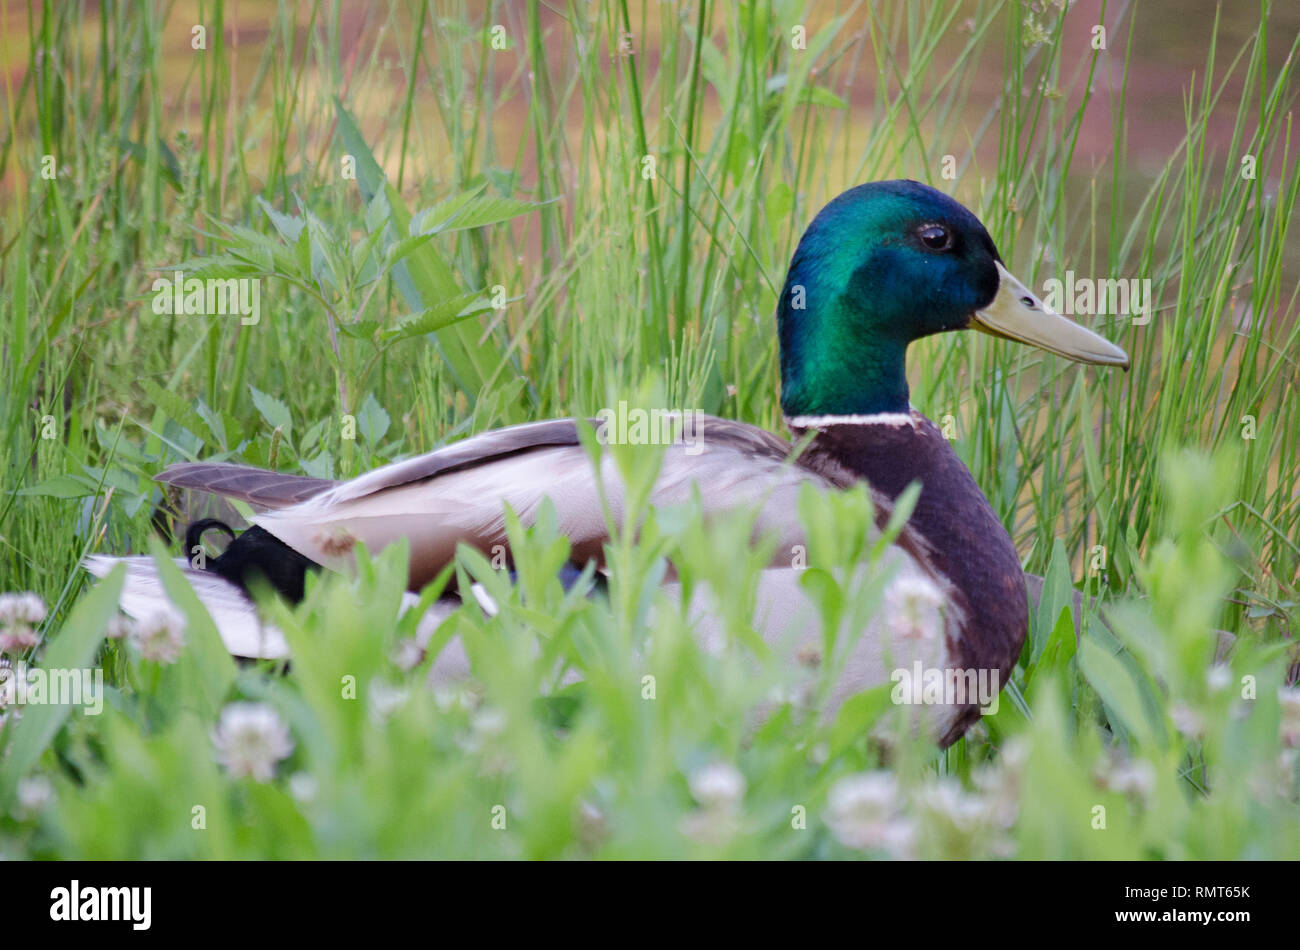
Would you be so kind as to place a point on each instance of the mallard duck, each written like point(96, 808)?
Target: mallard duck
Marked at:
point(880, 266)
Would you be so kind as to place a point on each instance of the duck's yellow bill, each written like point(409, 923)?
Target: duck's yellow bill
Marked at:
point(1017, 314)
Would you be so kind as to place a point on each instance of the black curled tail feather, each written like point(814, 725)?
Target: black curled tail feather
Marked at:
point(196, 529)
point(255, 553)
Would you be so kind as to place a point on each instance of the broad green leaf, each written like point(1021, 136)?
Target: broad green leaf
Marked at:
point(857, 717)
point(213, 420)
point(779, 202)
point(361, 330)
point(423, 277)
point(481, 212)
point(60, 486)
point(1058, 592)
point(215, 267)
point(437, 317)
point(430, 218)
point(808, 95)
point(1118, 690)
point(1058, 649)
point(821, 96)
point(273, 410)
point(289, 227)
point(178, 410)
point(372, 420)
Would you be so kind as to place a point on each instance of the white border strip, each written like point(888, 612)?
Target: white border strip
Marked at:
point(873, 419)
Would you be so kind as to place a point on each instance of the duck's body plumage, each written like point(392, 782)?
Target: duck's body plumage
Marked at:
point(457, 495)
point(882, 265)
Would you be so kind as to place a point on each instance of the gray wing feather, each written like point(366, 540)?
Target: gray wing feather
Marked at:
point(473, 451)
point(457, 494)
point(257, 486)
point(501, 443)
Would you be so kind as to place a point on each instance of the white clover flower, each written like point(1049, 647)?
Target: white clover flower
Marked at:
point(1014, 754)
point(1289, 725)
point(999, 788)
point(31, 609)
point(999, 781)
point(1187, 720)
point(250, 739)
point(899, 840)
point(120, 627)
point(717, 786)
point(947, 803)
point(864, 811)
point(160, 636)
point(914, 607)
point(959, 824)
point(33, 795)
point(455, 698)
point(1133, 777)
point(23, 609)
point(19, 615)
point(485, 725)
point(1218, 677)
point(17, 639)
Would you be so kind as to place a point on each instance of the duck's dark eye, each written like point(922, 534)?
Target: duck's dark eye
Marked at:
point(935, 236)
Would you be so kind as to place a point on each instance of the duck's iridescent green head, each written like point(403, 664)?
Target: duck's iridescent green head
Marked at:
point(885, 264)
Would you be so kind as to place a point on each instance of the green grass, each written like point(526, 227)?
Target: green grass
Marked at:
point(1138, 487)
